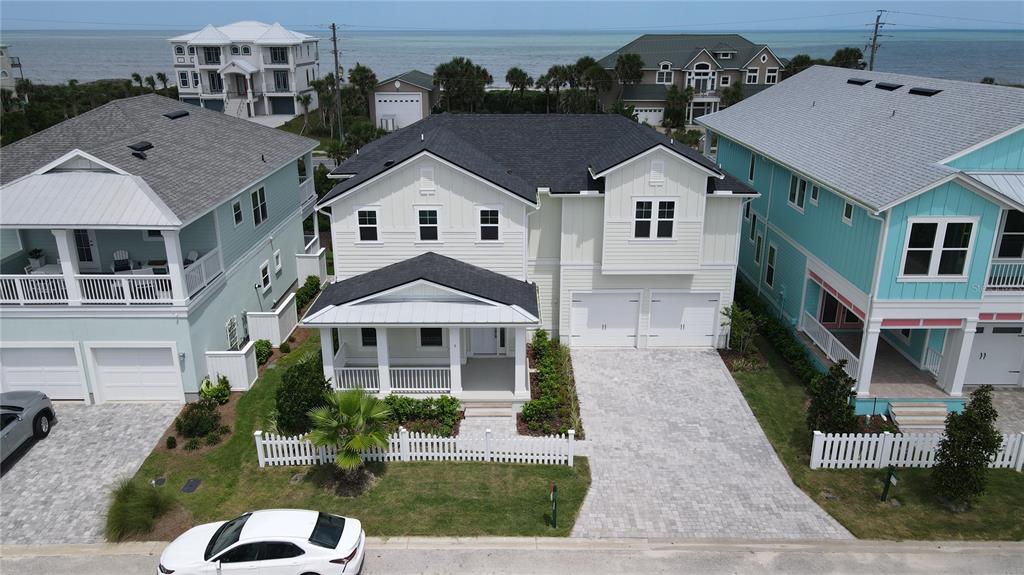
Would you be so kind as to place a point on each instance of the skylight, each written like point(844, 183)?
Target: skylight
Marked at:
point(887, 86)
point(858, 81)
point(924, 91)
point(175, 115)
point(140, 146)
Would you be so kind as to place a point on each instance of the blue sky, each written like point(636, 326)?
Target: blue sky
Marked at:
point(520, 15)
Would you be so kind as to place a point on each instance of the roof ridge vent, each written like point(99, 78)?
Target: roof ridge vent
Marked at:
point(141, 146)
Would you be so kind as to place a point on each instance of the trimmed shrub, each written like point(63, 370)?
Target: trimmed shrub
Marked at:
point(221, 392)
point(134, 508)
point(555, 407)
point(302, 388)
point(435, 415)
point(308, 292)
point(539, 343)
point(263, 351)
point(285, 348)
point(971, 440)
point(198, 419)
point(172, 442)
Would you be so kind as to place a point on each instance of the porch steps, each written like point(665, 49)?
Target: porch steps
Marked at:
point(918, 417)
point(488, 409)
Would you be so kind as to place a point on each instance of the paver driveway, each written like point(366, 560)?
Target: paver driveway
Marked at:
point(58, 491)
point(676, 452)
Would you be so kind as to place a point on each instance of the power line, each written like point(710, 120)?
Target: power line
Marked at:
point(957, 18)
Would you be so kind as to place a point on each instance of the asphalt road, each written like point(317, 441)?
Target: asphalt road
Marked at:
point(544, 556)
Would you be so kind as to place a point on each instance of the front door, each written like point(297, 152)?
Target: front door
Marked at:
point(484, 341)
point(85, 251)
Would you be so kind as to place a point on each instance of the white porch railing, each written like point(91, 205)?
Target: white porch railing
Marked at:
point(238, 366)
point(932, 359)
point(33, 289)
point(274, 326)
point(828, 343)
point(125, 289)
point(421, 379)
point(874, 450)
point(1005, 276)
point(202, 271)
point(367, 378)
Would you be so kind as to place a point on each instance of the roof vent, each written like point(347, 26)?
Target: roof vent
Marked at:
point(887, 86)
point(139, 155)
point(924, 91)
point(858, 81)
point(389, 163)
point(176, 115)
point(140, 146)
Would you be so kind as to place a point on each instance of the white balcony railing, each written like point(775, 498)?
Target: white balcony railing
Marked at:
point(420, 379)
point(202, 271)
point(1005, 276)
point(125, 289)
point(828, 343)
point(33, 289)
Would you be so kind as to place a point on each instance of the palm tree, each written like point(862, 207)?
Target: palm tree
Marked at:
point(151, 83)
point(518, 79)
point(544, 83)
point(351, 421)
point(162, 78)
point(137, 78)
point(629, 68)
point(304, 100)
point(557, 77)
point(363, 78)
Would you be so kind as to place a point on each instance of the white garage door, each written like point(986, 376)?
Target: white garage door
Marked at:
point(652, 116)
point(137, 374)
point(51, 370)
point(397, 110)
point(682, 319)
point(996, 355)
point(605, 319)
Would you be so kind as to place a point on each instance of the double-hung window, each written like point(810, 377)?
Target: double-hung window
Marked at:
point(259, 206)
point(797, 192)
point(769, 269)
point(758, 246)
point(938, 248)
point(265, 276)
point(645, 218)
point(368, 337)
point(665, 74)
point(771, 75)
point(642, 219)
point(1011, 242)
point(427, 220)
point(751, 75)
point(666, 218)
point(183, 79)
point(236, 212)
point(490, 226)
point(367, 219)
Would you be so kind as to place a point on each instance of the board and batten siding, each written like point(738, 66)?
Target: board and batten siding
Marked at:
point(1003, 155)
point(683, 183)
point(397, 195)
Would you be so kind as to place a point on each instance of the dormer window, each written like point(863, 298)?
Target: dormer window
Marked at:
point(723, 55)
point(665, 73)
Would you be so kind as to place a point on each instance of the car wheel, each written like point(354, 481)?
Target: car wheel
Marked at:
point(41, 426)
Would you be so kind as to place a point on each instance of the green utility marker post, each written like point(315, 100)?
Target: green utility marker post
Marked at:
point(554, 505)
point(890, 480)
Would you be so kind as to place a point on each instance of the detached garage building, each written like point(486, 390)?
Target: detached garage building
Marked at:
point(403, 100)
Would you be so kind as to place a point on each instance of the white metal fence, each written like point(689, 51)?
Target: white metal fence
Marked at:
point(413, 446)
point(860, 450)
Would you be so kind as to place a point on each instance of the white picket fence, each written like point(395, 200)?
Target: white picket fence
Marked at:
point(860, 450)
point(274, 449)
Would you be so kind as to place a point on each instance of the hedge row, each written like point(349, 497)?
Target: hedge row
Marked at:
point(779, 333)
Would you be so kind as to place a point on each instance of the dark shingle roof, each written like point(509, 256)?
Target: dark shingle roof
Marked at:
point(518, 152)
point(414, 77)
point(681, 48)
point(197, 161)
point(437, 269)
point(644, 92)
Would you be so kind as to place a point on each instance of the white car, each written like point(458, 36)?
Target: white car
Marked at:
point(269, 542)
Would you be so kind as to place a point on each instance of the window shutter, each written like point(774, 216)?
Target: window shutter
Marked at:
point(427, 180)
point(657, 171)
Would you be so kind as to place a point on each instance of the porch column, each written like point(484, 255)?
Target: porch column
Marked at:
point(867, 356)
point(522, 384)
point(175, 267)
point(68, 265)
point(455, 358)
point(954, 385)
point(327, 351)
point(383, 363)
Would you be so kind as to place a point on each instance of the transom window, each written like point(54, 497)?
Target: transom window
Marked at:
point(368, 337)
point(367, 225)
point(489, 224)
point(938, 248)
point(752, 75)
point(278, 55)
point(665, 74)
point(769, 269)
point(1011, 242)
point(427, 225)
point(259, 206)
point(236, 209)
point(771, 75)
point(645, 218)
point(431, 337)
point(797, 192)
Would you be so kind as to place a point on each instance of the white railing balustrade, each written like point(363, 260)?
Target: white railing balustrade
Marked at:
point(33, 289)
point(828, 343)
point(875, 450)
point(1006, 276)
point(274, 450)
point(420, 379)
point(932, 360)
point(367, 378)
point(125, 289)
point(202, 271)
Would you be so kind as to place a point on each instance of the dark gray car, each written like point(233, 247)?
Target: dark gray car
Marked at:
point(23, 415)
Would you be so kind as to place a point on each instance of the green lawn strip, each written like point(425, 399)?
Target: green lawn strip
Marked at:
point(416, 498)
point(852, 496)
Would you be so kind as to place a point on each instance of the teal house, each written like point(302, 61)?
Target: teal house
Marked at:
point(889, 230)
point(145, 245)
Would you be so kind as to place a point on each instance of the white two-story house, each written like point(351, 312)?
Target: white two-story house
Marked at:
point(456, 236)
point(142, 244)
point(246, 69)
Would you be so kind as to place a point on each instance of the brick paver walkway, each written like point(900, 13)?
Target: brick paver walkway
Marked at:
point(59, 490)
point(676, 452)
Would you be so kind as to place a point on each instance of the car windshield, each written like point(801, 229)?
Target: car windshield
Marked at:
point(327, 531)
point(226, 536)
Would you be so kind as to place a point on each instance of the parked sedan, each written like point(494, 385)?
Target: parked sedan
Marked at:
point(269, 542)
point(23, 415)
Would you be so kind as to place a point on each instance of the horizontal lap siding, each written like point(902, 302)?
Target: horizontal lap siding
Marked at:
point(681, 253)
point(545, 276)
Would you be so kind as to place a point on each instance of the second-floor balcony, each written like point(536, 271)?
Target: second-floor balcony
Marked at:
point(1005, 276)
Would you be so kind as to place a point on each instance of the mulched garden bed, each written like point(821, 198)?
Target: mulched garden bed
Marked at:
point(227, 418)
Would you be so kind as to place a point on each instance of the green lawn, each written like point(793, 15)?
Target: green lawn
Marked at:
point(420, 498)
point(295, 126)
point(852, 496)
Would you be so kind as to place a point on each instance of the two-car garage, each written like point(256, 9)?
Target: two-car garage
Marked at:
point(673, 319)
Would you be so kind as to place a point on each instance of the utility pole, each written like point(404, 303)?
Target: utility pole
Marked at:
point(337, 81)
point(874, 39)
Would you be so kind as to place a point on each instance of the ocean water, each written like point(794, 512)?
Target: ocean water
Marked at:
point(57, 56)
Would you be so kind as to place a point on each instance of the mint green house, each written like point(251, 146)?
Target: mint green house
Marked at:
point(144, 245)
point(889, 230)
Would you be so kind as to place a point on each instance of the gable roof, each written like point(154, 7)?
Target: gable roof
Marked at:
point(682, 48)
point(414, 77)
point(517, 152)
point(873, 145)
point(197, 161)
point(437, 269)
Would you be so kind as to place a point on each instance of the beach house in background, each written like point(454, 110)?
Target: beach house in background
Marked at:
point(10, 70)
point(455, 236)
point(142, 244)
point(246, 69)
point(403, 99)
point(889, 230)
point(705, 62)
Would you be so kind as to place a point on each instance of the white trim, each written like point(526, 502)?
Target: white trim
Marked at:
point(657, 173)
point(237, 220)
point(419, 338)
point(260, 194)
point(771, 264)
point(758, 247)
point(763, 48)
point(937, 249)
point(797, 192)
point(278, 265)
point(773, 73)
point(419, 226)
point(427, 181)
point(89, 399)
point(479, 208)
point(815, 193)
point(640, 293)
point(746, 77)
point(967, 181)
point(651, 150)
point(376, 224)
point(364, 347)
point(91, 345)
point(982, 144)
point(655, 218)
point(158, 238)
point(77, 153)
point(266, 283)
point(723, 80)
point(697, 55)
